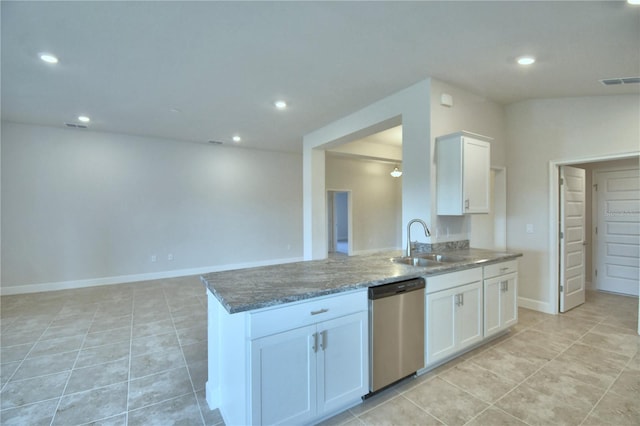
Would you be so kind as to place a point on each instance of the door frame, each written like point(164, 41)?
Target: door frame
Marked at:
point(331, 220)
point(554, 219)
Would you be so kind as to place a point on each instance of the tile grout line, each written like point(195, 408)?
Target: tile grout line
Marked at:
point(193, 388)
point(527, 378)
point(133, 306)
point(608, 387)
point(55, 412)
point(38, 340)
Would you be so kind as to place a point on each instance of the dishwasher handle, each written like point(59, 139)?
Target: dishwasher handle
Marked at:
point(388, 290)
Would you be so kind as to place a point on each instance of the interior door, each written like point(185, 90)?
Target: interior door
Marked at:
point(617, 235)
point(572, 237)
point(331, 222)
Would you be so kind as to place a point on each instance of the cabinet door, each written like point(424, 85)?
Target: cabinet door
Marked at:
point(509, 301)
point(492, 306)
point(283, 377)
point(500, 303)
point(469, 315)
point(476, 175)
point(440, 317)
point(343, 360)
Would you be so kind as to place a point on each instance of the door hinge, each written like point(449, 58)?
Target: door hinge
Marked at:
point(561, 288)
point(561, 235)
point(595, 186)
point(596, 230)
point(561, 181)
point(596, 271)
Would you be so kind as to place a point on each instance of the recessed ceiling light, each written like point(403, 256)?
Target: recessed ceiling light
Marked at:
point(634, 2)
point(84, 118)
point(176, 110)
point(237, 139)
point(48, 58)
point(280, 104)
point(526, 60)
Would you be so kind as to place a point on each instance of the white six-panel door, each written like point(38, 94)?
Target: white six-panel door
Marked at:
point(616, 242)
point(572, 239)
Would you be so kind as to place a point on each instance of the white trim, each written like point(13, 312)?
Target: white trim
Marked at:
point(123, 279)
point(554, 227)
point(536, 305)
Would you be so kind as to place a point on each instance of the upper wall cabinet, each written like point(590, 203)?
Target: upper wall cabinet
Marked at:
point(463, 164)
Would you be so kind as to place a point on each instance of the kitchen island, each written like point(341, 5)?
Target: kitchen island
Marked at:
point(289, 343)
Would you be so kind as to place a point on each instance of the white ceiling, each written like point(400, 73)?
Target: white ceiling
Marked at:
point(222, 64)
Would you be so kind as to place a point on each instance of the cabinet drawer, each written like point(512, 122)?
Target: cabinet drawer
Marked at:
point(501, 268)
point(453, 279)
point(298, 314)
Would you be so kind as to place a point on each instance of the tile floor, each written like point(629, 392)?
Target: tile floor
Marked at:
point(129, 354)
point(135, 354)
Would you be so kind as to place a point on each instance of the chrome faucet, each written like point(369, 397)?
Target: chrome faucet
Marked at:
point(426, 232)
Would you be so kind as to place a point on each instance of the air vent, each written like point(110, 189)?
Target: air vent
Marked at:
point(620, 81)
point(215, 142)
point(76, 126)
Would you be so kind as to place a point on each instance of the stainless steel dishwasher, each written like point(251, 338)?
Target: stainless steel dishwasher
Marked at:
point(396, 330)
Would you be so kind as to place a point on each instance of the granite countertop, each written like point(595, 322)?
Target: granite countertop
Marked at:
point(254, 288)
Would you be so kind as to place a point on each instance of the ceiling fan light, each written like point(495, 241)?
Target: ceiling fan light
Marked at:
point(396, 172)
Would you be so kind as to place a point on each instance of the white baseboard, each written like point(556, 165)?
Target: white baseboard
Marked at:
point(212, 396)
point(122, 279)
point(536, 305)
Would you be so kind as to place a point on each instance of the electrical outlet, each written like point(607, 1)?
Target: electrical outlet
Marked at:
point(170, 257)
point(154, 258)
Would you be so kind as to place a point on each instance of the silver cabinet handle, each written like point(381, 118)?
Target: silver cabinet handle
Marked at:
point(315, 342)
point(461, 299)
point(506, 286)
point(466, 204)
point(323, 340)
point(504, 269)
point(320, 311)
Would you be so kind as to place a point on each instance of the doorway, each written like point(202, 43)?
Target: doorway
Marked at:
point(592, 255)
point(339, 222)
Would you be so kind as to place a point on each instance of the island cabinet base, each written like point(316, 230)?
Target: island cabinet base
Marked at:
point(296, 363)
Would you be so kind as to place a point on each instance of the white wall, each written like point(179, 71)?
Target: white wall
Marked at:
point(546, 130)
point(409, 107)
point(82, 208)
point(376, 201)
point(472, 113)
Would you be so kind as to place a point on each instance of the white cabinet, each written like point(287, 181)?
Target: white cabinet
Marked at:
point(283, 377)
point(295, 363)
point(454, 313)
point(298, 375)
point(463, 164)
point(500, 297)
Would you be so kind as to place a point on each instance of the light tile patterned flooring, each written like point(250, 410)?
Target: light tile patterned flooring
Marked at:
point(129, 354)
point(135, 354)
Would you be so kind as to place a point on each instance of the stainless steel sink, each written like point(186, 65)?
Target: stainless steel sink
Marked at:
point(440, 258)
point(427, 259)
point(415, 261)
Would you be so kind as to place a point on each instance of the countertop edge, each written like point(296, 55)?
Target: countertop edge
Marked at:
point(411, 272)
